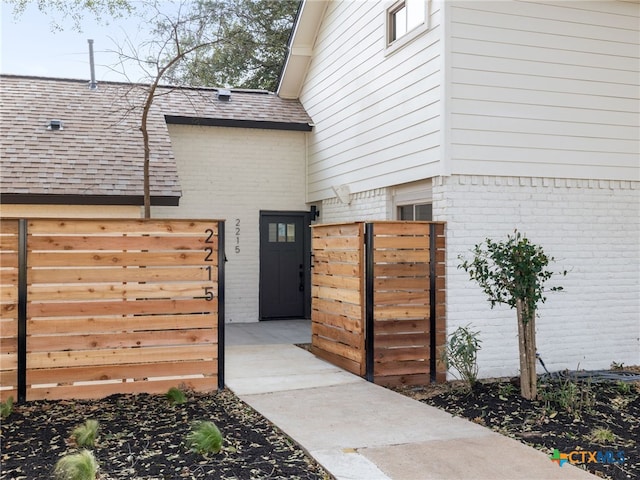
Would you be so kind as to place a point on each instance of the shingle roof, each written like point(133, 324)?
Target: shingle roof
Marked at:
point(99, 152)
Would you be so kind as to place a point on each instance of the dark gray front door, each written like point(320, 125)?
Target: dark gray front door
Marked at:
point(283, 269)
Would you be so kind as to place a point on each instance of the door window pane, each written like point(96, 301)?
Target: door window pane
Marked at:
point(282, 232)
point(273, 232)
point(291, 232)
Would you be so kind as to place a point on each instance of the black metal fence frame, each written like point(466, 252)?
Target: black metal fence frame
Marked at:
point(369, 306)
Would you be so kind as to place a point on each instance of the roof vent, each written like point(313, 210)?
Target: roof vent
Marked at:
point(224, 95)
point(55, 125)
point(92, 83)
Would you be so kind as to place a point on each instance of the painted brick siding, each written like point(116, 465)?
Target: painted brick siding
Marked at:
point(591, 227)
point(368, 205)
point(232, 174)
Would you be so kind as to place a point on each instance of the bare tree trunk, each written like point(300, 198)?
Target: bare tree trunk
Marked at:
point(530, 345)
point(147, 186)
point(151, 93)
point(522, 351)
point(527, 351)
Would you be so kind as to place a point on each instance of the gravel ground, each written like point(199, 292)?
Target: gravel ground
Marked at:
point(143, 437)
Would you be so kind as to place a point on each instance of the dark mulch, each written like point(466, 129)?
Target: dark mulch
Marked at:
point(546, 425)
point(142, 437)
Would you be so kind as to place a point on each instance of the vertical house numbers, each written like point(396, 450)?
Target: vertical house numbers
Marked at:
point(237, 248)
point(208, 291)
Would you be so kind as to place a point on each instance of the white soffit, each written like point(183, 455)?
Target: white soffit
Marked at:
point(301, 47)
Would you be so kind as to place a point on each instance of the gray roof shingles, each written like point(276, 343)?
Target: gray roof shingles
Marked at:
point(99, 151)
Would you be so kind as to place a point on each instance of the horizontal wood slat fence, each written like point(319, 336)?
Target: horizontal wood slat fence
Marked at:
point(95, 307)
point(378, 300)
point(337, 295)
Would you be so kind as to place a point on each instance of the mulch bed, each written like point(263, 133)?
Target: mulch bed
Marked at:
point(143, 437)
point(546, 425)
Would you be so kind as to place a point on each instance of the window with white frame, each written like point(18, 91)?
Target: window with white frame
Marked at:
point(404, 16)
point(416, 211)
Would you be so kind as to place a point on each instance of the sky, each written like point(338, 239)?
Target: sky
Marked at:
point(29, 46)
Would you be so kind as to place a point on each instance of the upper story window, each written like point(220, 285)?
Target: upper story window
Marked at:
point(404, 16)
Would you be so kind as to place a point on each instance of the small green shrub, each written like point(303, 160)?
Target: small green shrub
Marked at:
point(175, 396)
point(506, 390)
point(461, 353)
point(6, 408)
point(85, 435)
point(204, 437)
point(77, 466)
point(603, 436)
point(570, 396)
point(623, 387)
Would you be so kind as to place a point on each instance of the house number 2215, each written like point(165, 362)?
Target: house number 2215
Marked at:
point(237, 248)
point(208, 291)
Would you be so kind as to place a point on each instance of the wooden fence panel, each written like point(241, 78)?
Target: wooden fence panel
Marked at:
point(440, 298)
point(401, 306)
point(400, 319)
point(112, 306)
point(338, 295)
point(8, 309)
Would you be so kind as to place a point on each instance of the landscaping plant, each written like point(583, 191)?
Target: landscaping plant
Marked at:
point(570, 396)
point(175, 396)
point(204, 437)
point(461, 353)
point(513, 272)
point(6, 408)
point(602, 436)
point(77, 466)
point(85, 435)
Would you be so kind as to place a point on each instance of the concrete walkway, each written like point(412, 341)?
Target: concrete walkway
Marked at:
point(358, 430)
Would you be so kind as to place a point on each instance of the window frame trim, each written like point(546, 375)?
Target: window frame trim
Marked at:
point(392, 46)
point(413, 204)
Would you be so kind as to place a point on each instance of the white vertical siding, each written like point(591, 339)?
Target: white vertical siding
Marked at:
point(377, 114)
point(545, 88)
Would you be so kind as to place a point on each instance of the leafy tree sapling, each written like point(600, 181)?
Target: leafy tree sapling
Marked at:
point(513, 272)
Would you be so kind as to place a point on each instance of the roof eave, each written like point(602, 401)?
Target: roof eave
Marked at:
point(229, 122)
point(305, 32)
point(68, 199)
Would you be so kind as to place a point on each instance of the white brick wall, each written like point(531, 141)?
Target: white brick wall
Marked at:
point(369, 205)
point(591, 227)
point(232, 174)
